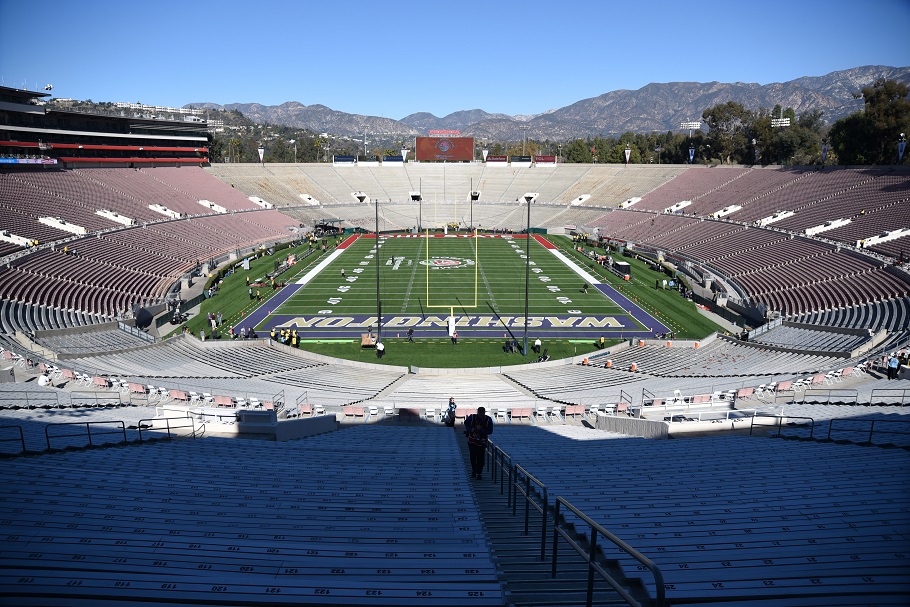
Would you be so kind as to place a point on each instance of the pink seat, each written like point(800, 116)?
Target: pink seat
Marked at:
point(745, 392)
point(224, 401)
point(521, 413)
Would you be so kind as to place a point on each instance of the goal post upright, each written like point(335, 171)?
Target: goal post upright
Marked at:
point(429, 262)
point(427, 239)
point(476, 267)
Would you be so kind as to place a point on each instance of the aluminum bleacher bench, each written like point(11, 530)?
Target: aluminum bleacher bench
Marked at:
point(166, 587)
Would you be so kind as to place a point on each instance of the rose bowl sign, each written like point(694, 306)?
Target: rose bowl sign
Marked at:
point(446, 263)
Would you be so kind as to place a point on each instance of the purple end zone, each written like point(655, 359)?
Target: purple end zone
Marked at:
point(480, 326)
point(262, 312)
point(633, 309)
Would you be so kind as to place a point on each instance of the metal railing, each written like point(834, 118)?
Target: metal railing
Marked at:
point(168, 426)
point(20, 440)
point(890, 396)
point(779, 422)
point(500, 462)
point(730, 415)
point(590, 553)
point(837, 395)
point(95, 398)
point(543, 507)
point(520, 481)
point(872, 429)
point(14, 398)
point(88, 431)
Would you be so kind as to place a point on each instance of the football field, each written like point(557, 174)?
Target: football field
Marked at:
point(434, 284)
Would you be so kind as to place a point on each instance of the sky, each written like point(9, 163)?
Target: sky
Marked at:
point(393, 59)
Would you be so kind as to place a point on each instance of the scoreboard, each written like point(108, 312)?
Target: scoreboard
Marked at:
point(444, 149)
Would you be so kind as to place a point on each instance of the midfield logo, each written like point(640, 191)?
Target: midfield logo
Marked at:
point(446, 263)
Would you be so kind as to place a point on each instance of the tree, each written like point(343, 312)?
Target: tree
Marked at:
point(870, 136)
point(216, 148)
point(577, 150)
point(234, 147)
point(727, 135)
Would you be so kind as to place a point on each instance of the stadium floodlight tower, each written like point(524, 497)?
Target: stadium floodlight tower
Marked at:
point(524, 146)
point(418, 198)
point(474, 196)
point(691, 125)
point(780, 122)
point(528, 199)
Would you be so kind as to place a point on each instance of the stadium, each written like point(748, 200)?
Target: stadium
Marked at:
point(173, 434)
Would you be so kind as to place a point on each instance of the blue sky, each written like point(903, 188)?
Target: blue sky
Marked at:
point(395, 58)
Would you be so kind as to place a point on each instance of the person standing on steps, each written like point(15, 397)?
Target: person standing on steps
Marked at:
point(477, 427)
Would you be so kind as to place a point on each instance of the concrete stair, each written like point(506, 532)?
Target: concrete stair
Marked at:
point(527, 580)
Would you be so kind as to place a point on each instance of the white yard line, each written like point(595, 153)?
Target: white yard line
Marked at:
point(591, 280)
point(320, 266)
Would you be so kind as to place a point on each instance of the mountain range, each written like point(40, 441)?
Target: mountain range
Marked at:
point(654, 107)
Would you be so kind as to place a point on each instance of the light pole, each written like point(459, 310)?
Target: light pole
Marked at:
point(779, 123)
point(690, 125)
point(294, 141)
point(901, 146)
point(528, 200)
point(524, 146)
point(378, 297)
point(559, 152)
point(471, 197)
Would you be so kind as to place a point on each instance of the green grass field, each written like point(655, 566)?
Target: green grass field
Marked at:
point(482, 280)
point(472, 276)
